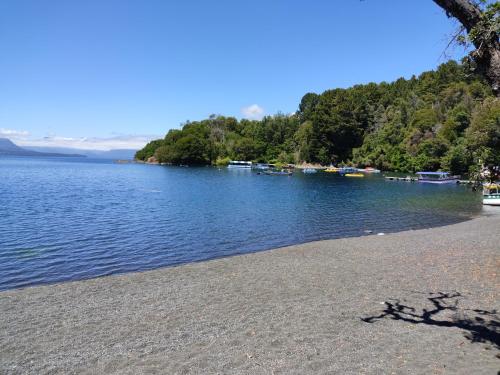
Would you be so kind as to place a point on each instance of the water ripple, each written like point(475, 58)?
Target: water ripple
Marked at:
point(75, 219)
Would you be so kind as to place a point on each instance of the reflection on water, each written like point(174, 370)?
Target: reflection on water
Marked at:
point(73, 219)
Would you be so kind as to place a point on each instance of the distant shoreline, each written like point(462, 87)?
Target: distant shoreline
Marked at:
point(44, 156)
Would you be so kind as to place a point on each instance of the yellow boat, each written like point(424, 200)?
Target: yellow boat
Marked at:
point(355, 175)
point(332, 170)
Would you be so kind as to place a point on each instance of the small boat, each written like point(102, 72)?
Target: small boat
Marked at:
point(345, 170)
point(309, 170)
point(354, 175)
point(436, 177)
point(491, 194)
point(368, 170)
point(262, 166)
point(332, 169)
point(278, 173)
point(239, 164)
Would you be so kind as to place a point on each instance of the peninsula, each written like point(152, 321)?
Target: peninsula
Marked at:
point(446, 119)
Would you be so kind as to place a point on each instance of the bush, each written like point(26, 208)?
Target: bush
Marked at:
point(222, 162)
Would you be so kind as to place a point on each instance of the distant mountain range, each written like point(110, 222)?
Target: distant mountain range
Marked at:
point(7, 147)
point(125, 154)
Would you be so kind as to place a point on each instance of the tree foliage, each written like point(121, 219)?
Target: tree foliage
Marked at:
point(444, 119)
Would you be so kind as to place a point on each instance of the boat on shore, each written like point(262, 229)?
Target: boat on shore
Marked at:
point(436, 178)
point(238, 164)
point(491, 194)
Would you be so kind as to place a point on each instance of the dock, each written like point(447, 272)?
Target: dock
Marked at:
point(414, 179)
point(407, 178)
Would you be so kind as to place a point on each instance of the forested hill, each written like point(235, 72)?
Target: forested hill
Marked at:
point(446, 119)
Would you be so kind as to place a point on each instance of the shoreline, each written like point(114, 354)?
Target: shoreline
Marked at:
point(295, 309)
point(366, 234)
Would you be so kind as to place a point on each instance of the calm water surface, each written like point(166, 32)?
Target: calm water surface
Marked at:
point(69, 219)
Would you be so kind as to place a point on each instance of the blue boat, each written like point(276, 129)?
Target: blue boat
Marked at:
point(344, 170)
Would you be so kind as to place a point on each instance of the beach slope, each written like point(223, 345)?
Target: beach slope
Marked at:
point(419, 302)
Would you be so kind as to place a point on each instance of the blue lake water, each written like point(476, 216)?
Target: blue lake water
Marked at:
point(70, 219)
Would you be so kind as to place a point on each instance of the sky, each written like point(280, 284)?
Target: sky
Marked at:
point(103, 74)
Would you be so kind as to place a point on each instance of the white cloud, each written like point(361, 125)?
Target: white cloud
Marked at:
point(134, 142)
point(253, 111)
point(13, 134)
point(115, 141)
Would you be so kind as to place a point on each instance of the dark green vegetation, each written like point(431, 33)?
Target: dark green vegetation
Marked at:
point(446, 119)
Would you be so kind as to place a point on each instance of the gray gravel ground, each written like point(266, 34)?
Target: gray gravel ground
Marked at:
point(297, 310)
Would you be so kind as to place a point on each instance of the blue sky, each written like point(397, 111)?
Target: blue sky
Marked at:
point(104, 70)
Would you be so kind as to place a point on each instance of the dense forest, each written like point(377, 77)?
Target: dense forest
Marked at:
point(446, 119)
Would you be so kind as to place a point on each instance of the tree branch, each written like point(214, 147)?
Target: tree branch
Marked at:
point(466, 12)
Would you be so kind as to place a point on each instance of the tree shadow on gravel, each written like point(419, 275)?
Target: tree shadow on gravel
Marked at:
point(480, 326)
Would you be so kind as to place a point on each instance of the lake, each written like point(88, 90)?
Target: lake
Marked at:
point(70, 218)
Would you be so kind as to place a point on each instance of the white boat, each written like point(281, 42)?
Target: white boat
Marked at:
point(368, 170)
point(240, 164)
point(309, 170)
point(282, 172)
point(262, 166)
point(436, 177)
point(491, 194)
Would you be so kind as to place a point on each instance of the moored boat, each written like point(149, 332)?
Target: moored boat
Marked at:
point(262, 166)
point(349, 170)
point(354, 175)
point(239, 164)
point(309, 170)
point(341, 170)
point(368, 170)
point(491, 194)
point(282, 172)
point(332, 169)
point(436, 177)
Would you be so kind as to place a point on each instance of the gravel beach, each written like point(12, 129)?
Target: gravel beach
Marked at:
point(416, 302)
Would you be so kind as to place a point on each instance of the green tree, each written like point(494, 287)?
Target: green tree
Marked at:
point(442, 119)
point(458, 159)
point(307, 106)
point(483, 135)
